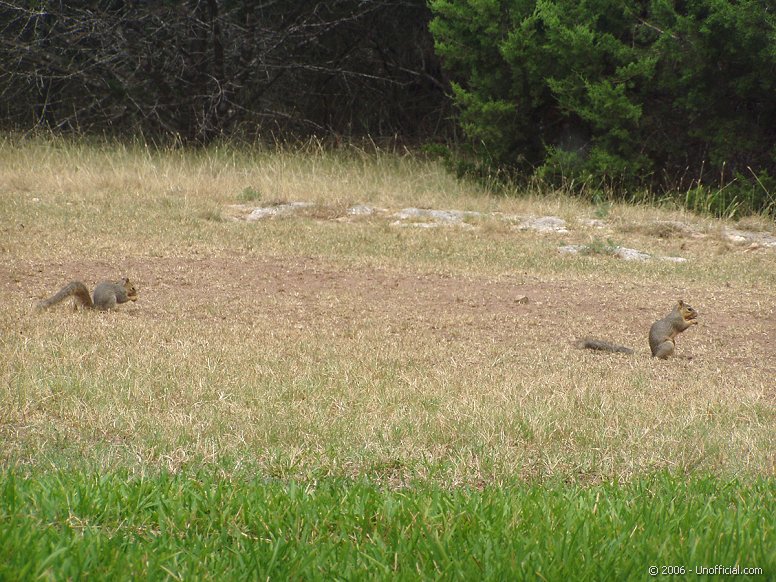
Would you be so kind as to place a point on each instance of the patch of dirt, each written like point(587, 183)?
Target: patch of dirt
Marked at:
point(293, 293)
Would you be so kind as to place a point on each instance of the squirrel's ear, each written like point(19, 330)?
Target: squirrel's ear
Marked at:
point(681, 303)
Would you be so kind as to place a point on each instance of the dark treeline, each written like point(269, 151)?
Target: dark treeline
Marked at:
point(628, 95)
point(204, 69)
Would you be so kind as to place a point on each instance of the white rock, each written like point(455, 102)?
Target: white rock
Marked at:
point(363, 210)
point(416, 224)
point(438, 215)
point(570, 249)
point(627, 254)
point(745, 236)
point(428, 218)
point(545, 224)
point(673, 259)
point(276, 210)
point(592, 222)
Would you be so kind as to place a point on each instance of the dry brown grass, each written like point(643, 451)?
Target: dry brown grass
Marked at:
point(311, 345)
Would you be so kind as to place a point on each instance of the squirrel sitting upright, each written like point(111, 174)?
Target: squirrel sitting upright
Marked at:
point(662, 334)
point(107, 295)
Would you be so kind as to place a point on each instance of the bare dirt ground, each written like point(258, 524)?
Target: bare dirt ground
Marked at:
point(524, 311)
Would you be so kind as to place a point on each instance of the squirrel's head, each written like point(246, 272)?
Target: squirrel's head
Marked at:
point(688, 313)
point(129, 288)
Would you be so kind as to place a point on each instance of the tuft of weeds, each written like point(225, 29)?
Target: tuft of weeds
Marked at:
point(665, 229)
point(322, 211)
point(600, 247)
point(603, 206)
point(723, 202)
point(249, 195)
point(211, 214)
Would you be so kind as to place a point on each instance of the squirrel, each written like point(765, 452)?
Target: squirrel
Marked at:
point(106, 295)
point(662, 334)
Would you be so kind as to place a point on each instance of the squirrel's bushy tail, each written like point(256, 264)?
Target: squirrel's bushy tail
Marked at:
point(75, 289)
point(594, 344)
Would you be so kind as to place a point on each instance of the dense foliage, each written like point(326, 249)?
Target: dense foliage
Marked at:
point(634, 93)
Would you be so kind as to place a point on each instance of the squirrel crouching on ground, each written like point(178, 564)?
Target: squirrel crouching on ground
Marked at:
point(662, 334)
point(107, 295)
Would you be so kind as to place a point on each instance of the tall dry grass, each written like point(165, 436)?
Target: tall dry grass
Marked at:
point(314, 346)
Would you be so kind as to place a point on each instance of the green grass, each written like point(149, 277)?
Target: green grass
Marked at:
point(74, 524)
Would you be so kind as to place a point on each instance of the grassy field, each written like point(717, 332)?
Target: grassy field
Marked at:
point(354, 395)
point(116, 527)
